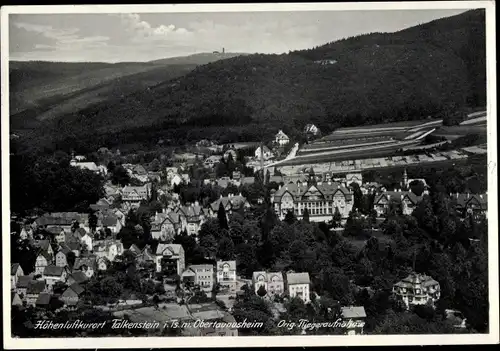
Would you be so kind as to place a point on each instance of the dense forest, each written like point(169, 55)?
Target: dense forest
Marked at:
point(430, 69)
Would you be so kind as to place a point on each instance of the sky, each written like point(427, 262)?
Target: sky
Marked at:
point(151, 36)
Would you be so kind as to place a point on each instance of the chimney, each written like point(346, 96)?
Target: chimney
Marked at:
point(457, 195)
point(338, 186)
point(279, 186)
point(402, 197)
point(220, 196)
point(468, 195)
point(450, 194)
point(388, 196)
point(196, 203)
point(481, 196)
point(329, 182)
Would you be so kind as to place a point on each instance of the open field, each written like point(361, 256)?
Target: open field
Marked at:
point(351, 153)
point(375, 163)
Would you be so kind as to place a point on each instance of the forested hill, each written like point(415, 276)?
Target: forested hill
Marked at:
point(420, 71)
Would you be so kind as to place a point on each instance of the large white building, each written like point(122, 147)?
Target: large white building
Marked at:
point(321, 200)
point(298, 286)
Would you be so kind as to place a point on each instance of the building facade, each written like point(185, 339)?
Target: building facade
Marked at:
point(226, 275)
point(320, 200)
point(272, 282)
point(298, 286)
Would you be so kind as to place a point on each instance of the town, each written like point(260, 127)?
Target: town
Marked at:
point(287, 234)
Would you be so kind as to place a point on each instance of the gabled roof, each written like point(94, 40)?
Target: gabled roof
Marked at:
point(76, 288)
point(89, 261)
point(43, 299)
point(231, 264)
point(463, 200)
point(36, 286)
point(64, 248)
point(78, 276)
point(397, 196)
point(13, 268)
point(281, 135)
point(297, 278)
point(23, 281)
point(133, 248)
point(42, 244)
point(353, 312)
point(61, 218)
point(53, 271)
point(298, 190)
point(168, 249)
point(231, 202)
point(45, 254)
point(160, 218)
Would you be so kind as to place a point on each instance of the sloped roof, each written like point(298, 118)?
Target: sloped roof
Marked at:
point(53, 271)
point(89, 261)
point(23, 281)
point(42, 244)
point(324, 188)
point(78, 276)
point(231, 264)
point(232, 202)
point(163, 249)
point(76, 288)
point(134, 248)
point(247, 180)
point(353, 312)
point(43, 299)
point(298, 278)
point(160, 218)
point(397, 196)
point(64, 248)
point(36, 286)
point(61, 218)
point(463, 200)
point(13, 268)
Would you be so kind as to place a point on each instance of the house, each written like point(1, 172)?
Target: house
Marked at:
point(26, 232)
point(53, 274)
point(91, 166)
point(43, 260)
point(354, 317)
point(22, 285)
point(311, 129)
point(320, 199)
point(133, 195)
point(109, 220)
point(170, 259)
point(247, 180)
point(64, 220)
point(212, 161)
point(134, 249)
point(87, 240)
point(298, 286)
point(223, 182)
point(15, 299)
point(62, 255)
point(33, 291)
point(475, 204)
point(44, 245)
point(354, 178)
point(108, 248)
point(272, 282)
point(154, 176)
point(183, 159)
point(202, 275)
point(72, 294)
point(102, 204)
point(77, 277)
point(263, 152)
point(406, 199)
point(15, 272)
point(230, 203)
point(166, 225)
point(281, 138)
point(147, 256)
point(192, 217)
point(226, 275)
point(74, 247)
point(86, 265)
point(417, 289)
point(103, 263)
point(227, 322)
point(58, 233)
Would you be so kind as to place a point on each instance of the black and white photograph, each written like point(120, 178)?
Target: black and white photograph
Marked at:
point(273, 174)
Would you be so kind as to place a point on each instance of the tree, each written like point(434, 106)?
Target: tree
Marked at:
point(222, 216)
point(70, 259)
point(225, 250)
point(336, 218)
point(120, 176)
point(92, 222)
point(305, 216)
point(261, 291)
point(290, 217)
point(208, 243)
